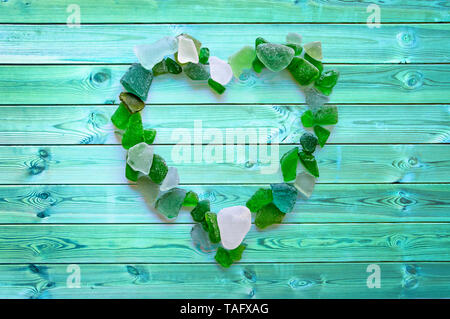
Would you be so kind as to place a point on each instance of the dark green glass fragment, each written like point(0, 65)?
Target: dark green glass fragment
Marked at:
point(322, 134)
point(261, 198)
point(268, 215)
point(191, 199)
point(169, 204)
point(308, 142)
point(159, 169)
point(314, 62)
point(213, 227)
point(160, 68)
point(307, 118)
point(132, 102)
point(309, 163)
point(216, 86)
point(289, 163)
point(149, 136)
point(326, 115)
point(196, 71)
point(137, 80)
point(198, 213)
point(203, 56)
point(257, 65)
point(303, 71)
point(134, 133)
point(284, 196)
point(131, 174)
point(326, 82)
point(297, 48)
point(120, 117)
point(172, 66)
point(226, 257)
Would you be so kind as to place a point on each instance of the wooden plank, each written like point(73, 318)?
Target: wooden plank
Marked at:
point(243, 164)
point(165, 243)
point(416, 43)
point(59, 204)
point(172, 11)
point(305, 280)
point(357, 123)
point(86, 84)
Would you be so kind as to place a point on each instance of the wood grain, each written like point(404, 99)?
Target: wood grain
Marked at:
point(338, 164)
point(37, 44)
point(357, 124)
point(163, 243)
point(101, 85)
point(172, 11)
point(340, 203)
point(304, 280)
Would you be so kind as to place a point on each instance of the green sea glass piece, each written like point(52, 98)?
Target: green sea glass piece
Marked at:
point(322, 134)
point(326, 115)
point(289, 163)
point(296, 47)
point(275, 57)
point(198, 213)
point(314, 62)
point(309, 163)
point(216, 86)
point(258, 66)
point(131, 174)
point(159, 169)
point(226, 257)
point(261, 198)
point(213, 227)
point(137, 80)
point(160, 68)
point(260, 40)
point(149, 136)
point(169, 204)
point(268, 215)
point(191, 199)
point(303, 71)
point(284, 196)
point(134, 133)
point(293, 37)
point(307, 118)
point(308, 142)
point(132, 102)
point(203, 56)
point(172, 66)
point(326, 82)
point(120, 117)
point(242, 60)
point(196, 71)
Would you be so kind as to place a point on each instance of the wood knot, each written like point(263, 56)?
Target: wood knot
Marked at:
point(407, 39)
point(101, 77)
point(412, 80)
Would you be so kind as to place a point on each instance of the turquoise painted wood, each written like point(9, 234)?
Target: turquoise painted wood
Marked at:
point(342, 43)
point(244, 280)
point(380, 124)
point(171, 11)
point(383, 195)
point(330, 203)
point(166, 243)
point(105, 164)
point(87, 84)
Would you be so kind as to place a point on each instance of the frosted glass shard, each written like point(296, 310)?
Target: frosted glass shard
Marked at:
point(150, 54)
point(242, 60)
point(171, 180)
point(220, 70)
point(294, 38)
point(314, 99)
point(305, 184)
point(200, 239)
point(234, 223)
point(187, 52)
point(314, 49)
point(140, 157)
